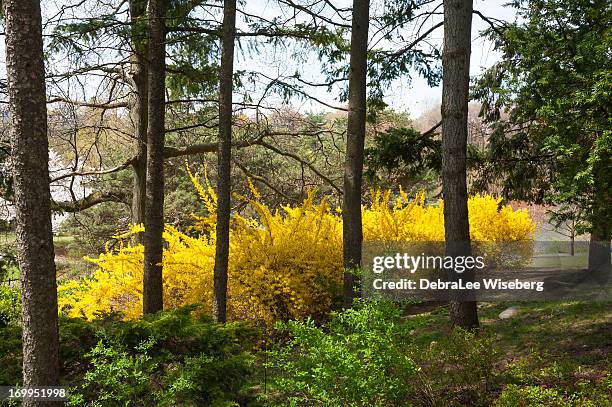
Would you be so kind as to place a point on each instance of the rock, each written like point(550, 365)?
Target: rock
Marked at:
point(509, 313)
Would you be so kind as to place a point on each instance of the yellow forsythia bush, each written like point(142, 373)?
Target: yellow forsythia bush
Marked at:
point(283, 264)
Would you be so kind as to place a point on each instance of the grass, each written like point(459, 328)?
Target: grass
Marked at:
point(60, 242)
point(562, 345)
point(579, 261)
point(577, 328)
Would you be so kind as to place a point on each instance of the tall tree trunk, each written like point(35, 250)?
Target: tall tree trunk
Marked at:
point(138, 107)
point(154, 211)
point(599, 252)
point(352, 233)
point(599, 244)
point(30, 158)
point(224, 158)
point(455, 97)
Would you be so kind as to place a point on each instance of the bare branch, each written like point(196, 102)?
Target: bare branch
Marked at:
point(407, 48)
point(262, 180)
point(103, 172)
point(105, 106)
point(490, 22)
point(306, 163)
point(90, 200)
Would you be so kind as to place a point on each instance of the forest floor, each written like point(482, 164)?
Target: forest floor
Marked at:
point(566, 346)
point(580, 331)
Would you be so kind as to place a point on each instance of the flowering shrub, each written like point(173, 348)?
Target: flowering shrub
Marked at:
point(412, 220)
point(284, 264)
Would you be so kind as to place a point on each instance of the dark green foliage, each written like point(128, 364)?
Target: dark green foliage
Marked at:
point(521, 169)
point(10, 355)
point(403, 156)
point(10, 336)
point(117, 377)
point(170, 358)
point(555, 82)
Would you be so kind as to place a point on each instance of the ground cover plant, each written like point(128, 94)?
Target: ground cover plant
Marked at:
point(550, 354)
point(173, 358)
point(380, 353)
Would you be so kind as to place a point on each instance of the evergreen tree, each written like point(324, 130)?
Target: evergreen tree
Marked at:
point(32, 197)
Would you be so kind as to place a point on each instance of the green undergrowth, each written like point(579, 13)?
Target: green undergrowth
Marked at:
point(377, 354)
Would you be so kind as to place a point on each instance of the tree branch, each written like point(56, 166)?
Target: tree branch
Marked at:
point(490, 22)
point(306, 163)
point(428, 132)
point(262, 180)
point(407, 48)
point(89, 201)
point(105, 106)
point(103, 172)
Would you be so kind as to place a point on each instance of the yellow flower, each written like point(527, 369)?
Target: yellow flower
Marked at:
point(284, 264)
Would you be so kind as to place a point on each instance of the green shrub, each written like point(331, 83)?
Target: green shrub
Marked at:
point(118, 376)
point(207, 380)
point(10, 355)
point(10, 306)
point(357, 359)
point(170, 358)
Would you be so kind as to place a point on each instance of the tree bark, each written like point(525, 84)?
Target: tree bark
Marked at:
point(352, 233)
point(455, 98)
point(138, 106)
point(599, 253)
point(30, 158)
point(224, 159)
point(154, 211)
